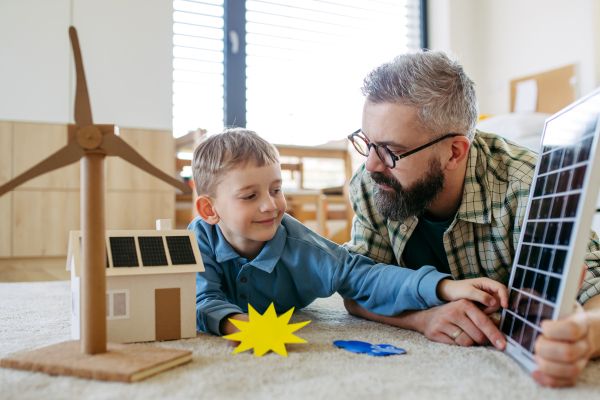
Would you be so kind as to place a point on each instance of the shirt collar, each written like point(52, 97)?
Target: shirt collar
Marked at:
point(476, 202)
point(265, 261)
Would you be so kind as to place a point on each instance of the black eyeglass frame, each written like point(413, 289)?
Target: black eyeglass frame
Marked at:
point(392, 155)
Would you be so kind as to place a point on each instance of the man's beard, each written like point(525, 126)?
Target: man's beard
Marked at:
point(400, 203)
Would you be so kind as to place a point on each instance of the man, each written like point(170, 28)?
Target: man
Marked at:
point(433, 191)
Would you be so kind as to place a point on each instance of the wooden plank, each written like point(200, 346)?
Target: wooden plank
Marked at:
point(38, 269)
point(555, 89)
point(311, 151)
point(121, 363)
point(42, 222)
point(138, 210)
point(33, 143)
point(156, 146)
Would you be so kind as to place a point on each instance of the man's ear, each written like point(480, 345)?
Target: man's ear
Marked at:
point(460, 150)
point(206, 210)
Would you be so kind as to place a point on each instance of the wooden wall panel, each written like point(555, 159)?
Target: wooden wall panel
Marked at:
point(5, 151)
point(5, 225)
point(158, 147)
point(35, 219)
point(32, 144)
point(138, 210)
point(42, 222)
point(5, 175)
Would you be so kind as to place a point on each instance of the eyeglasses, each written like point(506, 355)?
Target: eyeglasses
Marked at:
point(363, 146)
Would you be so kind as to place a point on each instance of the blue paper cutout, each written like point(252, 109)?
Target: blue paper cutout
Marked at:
point(355, 346)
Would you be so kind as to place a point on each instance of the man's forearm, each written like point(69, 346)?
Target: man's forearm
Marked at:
point(408, 319)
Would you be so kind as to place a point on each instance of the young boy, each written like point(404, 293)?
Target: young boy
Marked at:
point(254, 253)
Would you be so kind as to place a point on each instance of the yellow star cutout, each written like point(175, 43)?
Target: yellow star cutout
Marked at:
point(266, 332)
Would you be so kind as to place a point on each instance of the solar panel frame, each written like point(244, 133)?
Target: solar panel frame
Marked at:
point(566, 237)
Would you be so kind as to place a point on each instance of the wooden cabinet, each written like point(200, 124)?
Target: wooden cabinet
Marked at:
point(35, 218)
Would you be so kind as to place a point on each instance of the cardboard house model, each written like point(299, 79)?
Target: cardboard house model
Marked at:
point(150, 284)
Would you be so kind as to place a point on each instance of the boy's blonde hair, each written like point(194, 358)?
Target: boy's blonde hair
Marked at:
point(218, 154)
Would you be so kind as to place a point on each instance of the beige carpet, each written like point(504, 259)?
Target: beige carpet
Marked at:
point(36, 314)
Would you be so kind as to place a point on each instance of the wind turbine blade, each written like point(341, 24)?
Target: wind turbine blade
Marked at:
point(69, 154)
point(115, 146)
point(83, 110)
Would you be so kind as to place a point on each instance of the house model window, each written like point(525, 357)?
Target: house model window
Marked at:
point(117, 304)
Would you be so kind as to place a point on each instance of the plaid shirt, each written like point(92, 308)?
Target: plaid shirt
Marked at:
point(482, 238)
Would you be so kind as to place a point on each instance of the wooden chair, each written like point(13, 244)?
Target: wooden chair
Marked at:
point(321, 198)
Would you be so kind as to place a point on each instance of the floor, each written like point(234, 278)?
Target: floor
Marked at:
point(34, 269)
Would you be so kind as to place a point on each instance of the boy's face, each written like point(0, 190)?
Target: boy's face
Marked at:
point(250, 204)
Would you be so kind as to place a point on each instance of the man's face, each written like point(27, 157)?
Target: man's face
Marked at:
point(417, 180)
point(250, 203)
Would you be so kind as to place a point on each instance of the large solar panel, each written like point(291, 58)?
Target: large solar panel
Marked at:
point(546, 273)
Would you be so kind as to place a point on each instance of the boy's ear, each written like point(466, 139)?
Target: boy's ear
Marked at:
point(206, 211)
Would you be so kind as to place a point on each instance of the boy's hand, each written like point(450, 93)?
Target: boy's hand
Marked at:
point(486, 291)
point(227, 328)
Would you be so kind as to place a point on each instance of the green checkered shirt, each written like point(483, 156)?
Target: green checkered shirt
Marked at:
point(482, 238)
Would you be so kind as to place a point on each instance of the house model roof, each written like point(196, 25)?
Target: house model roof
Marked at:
point(144, 252)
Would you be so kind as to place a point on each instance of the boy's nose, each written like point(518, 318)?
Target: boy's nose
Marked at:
point(374, 163)
point(268, 205)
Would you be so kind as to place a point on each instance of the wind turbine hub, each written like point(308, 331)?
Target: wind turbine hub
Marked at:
point(89, 137)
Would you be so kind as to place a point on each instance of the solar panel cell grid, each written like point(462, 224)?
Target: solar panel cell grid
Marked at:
point(152, 250)
point(181, 251)
point(123, 252)
point(549, 230)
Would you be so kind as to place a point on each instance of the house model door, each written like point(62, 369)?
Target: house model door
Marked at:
point(168, 313)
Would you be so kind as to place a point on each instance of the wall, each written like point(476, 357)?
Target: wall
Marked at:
point(500, 40)
point(127, 49)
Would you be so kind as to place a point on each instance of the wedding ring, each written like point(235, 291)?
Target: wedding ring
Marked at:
point(457, 333)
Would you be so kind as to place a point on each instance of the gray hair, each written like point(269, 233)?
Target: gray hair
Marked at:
point(433, 82)
point(220, 153)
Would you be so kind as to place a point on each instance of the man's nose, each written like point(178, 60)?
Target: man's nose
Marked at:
point(374, 163)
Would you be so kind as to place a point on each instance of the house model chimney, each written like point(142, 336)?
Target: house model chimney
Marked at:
point(163, 225)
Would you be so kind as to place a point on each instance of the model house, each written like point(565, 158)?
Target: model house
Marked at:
point(150, 284)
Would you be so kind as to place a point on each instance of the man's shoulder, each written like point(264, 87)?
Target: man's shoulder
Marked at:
point(504, 160)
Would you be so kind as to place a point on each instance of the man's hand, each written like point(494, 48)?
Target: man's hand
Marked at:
point(564, 348)
point(486, 291)
point(441, 323)
point(461, 323)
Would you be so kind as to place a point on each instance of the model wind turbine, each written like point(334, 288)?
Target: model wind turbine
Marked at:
point(90, 359)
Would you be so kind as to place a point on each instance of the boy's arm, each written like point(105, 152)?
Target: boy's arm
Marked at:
point(385, 289)
point(211, 302)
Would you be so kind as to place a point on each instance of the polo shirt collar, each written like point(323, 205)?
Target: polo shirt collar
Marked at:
point(265, 261)
point(476, 203)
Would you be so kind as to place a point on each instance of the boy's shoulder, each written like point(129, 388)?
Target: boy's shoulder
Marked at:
point(206, 234)
point(298, 235)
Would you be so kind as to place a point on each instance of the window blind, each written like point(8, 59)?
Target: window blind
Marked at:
point(197, 66)
point(305, 62)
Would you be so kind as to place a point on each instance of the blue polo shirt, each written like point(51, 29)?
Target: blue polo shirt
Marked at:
point(296, 267)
